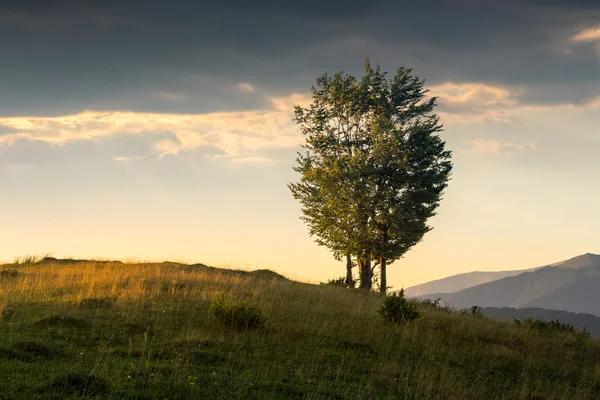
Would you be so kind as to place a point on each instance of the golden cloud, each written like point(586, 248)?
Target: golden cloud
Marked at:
point(479, 93)
point(496, 148)
point(468, 103)
point(587, 35)
point(240, 135)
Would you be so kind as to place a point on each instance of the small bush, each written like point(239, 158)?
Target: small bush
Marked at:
point(237, 315)
point(550, 327)
point(474, 310)
point(433, 303)
point(436, 304)
point(396, 309)
point(341, 281)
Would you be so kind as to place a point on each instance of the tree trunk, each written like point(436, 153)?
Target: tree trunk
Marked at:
point(382, 278)
point(349, 280)
point(366, 275)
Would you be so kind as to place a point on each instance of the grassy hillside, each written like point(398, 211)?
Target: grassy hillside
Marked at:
point(589, 322)
point(145, 331)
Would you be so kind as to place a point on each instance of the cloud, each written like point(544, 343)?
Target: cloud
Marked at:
point(247, 137)
point(593, 104)
point(580, 42)
point(472, 102)
point(172, 97)
point(189, 57)
point(588, 35)
point(128, 158)
point(246, 87)
point(239, 136)
point(496, 148)
point(487, 95)
point(6, 130)
point(476, 102)
point(245, 161)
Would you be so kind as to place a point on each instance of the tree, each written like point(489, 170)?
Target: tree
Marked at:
point(374, 168)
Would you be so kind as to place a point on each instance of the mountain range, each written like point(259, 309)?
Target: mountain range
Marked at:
point(458, 282)
point(572, 285)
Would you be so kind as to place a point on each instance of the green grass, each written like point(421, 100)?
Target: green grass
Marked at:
point(74, 330)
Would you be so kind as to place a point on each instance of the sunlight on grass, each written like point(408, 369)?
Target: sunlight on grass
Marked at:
point(116, 330)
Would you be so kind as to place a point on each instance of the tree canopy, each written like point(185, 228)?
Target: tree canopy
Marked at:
point(374, 168)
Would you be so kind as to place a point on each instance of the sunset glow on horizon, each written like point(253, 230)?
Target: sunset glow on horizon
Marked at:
point(145, 150)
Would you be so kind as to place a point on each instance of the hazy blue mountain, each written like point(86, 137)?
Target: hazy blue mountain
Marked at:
point(572, 285)
point(458, 282)
point(579, 320)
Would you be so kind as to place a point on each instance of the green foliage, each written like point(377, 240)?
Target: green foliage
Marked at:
point(237, 315)
point(432, 303)
point(396, 309)
point(435, 304)
point(550, 327)
point(474, 310)
point(341, 282)
point(374, 168)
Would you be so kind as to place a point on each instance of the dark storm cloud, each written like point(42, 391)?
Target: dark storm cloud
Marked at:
point(61, 57)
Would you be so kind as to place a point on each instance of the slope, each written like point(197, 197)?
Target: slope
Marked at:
point(570, 285)
point(580, 321)
point(93, 330)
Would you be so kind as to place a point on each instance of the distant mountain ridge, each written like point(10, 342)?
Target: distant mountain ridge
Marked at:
point(458, 282)
point(572, 285)
point(584, 260)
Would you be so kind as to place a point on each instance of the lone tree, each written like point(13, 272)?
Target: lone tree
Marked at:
point(374, 168)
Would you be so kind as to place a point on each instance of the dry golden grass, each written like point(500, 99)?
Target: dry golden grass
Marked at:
point(144, 330)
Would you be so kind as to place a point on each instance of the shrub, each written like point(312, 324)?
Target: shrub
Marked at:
point(341, 281)
point(474, 310)
point(437, 304)
point(237, 315)
point(396, 309)
point(433, 303)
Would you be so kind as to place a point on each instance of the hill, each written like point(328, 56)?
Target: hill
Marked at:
point(571, 285)
point(458, 282)
point(110, 330)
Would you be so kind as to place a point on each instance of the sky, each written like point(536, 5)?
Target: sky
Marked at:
point(163, 130)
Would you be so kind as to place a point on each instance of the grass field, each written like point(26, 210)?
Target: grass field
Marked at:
point(145, 331)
